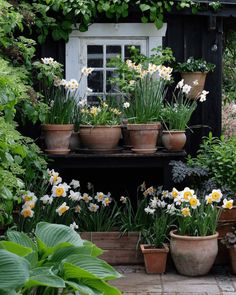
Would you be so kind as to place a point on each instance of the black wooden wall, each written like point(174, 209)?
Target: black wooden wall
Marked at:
point(200, 36)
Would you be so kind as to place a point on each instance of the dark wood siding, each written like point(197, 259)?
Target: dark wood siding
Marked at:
point(198, 36)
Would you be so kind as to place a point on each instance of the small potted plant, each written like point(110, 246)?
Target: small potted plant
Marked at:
point(229, 240)
point(154, 236)
point(62, 99)
point(194, 72)
point(100, 127)
point(143, 109)
point(194, 244)
point(176, 115)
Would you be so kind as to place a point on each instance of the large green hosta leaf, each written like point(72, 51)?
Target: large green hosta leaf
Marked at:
point(63, 253)
point(10, 292)
point(43, 276)
point(93, 287)
point(23, 240)
point(15, 248)
point(14, 270)
point(85, 266)
point(52, 235)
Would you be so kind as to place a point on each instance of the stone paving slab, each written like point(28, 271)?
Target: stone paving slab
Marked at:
point(137, 282)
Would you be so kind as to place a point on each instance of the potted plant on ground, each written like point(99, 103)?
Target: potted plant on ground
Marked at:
point(100, 127)
point(194, 72)
point(194, 244)
point(229, 240)
point(176, 115)
point(154, 236)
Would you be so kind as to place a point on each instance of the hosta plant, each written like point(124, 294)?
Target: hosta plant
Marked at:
point(54, 261)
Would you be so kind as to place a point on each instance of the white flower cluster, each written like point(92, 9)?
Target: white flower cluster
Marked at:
point(61, 190)
point(49, 61)
point(163, 72)
point(86, 71)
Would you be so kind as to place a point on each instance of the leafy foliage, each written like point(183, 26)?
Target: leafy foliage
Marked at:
point(47, 264)
point(195, 65)
point(21, 167)
point(215, 161)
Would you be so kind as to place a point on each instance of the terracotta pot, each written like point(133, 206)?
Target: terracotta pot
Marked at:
point(189, 79)
point(228, 215)
point(143, 137)
point(57, 138)
point(100, 138)
point(74, 141)
point(193, 256)
point(173, 140)
point(232, 255)
point(118, 249)
point(154, 258)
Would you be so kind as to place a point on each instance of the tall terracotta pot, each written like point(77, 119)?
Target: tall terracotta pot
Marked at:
point(57, 138)
point(197, 87)
point(100, 138)
point(193, 256)
point(154, 258)
point(143, 137)
point(173, 140)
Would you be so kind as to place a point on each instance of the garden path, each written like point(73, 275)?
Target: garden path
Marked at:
point(137, 282)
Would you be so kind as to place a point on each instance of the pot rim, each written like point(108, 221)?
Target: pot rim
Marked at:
point(57, 126)
point(192, 238)
point(173, 131)
point(195, 72)
point(165, 249)
point(144, 126)
point(100, 126)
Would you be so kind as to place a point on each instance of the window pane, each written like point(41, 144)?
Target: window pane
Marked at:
point(127, 50)
point(95, 81)
point(95, 56)
point(112, 51)
point(94, 99)
point(110, 87)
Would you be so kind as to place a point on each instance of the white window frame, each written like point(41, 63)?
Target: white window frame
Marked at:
point(135, 32)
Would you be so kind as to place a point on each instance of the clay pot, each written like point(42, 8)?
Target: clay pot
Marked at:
point(100, 138)
point(193, 256)
point(173, 140)
point(228, 215)
point(57, 138)
point(154, 258)
point(232, 255)
point(143, 137)
point(189, 79)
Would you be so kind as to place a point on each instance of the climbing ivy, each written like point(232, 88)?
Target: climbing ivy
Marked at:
point(58, 16)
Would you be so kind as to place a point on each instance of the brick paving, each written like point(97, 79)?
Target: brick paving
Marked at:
point(137, 282)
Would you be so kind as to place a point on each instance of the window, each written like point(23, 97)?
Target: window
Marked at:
point(98, 45)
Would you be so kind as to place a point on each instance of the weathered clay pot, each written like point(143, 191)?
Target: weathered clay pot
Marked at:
point(57, 138)
point(154, 258)
point(228, 215)
point(100, 138)
point(74, 141)
point(173, 140)
point(190, 78)
point(193, 256)
point(232, 255)
point(143, 137)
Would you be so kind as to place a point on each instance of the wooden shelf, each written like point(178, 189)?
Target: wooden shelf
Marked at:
point(114, 160)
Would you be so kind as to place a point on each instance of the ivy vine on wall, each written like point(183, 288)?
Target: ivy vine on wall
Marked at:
point(58, 16)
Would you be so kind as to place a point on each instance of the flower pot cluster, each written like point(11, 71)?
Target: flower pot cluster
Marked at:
point(143, 116)
point(176, 222)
